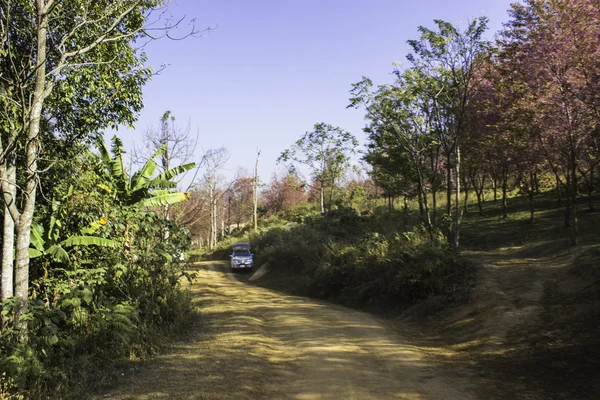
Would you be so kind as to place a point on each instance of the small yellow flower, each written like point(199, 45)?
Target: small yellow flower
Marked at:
point(103, 220)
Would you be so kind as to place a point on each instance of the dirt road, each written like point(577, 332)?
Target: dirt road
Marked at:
point(260, 344)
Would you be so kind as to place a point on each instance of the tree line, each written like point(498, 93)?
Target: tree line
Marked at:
point(468, 114)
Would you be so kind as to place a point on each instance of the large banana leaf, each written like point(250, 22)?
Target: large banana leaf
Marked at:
point(117, 167)
point(143, 176)
point(57, 252)
point(164, 197)
point(37, 240)
point(110, 169)
point(89, 241)
point(173, 172)
point(33, 253)
point(104, 153)
point(162, 184)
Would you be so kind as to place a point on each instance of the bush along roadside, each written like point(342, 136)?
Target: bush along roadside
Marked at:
point(106, 283)
point(361, 261)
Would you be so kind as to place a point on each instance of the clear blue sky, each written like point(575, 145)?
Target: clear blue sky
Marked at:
point(272, 69)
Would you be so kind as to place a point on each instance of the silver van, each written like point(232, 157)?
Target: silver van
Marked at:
point(241, 257)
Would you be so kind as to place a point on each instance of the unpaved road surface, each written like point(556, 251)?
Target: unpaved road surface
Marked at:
point(254, 343)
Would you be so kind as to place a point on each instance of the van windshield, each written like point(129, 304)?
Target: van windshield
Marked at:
point(241, 253)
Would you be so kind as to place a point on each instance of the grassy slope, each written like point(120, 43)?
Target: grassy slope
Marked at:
point(531, 327)
point(532, 324)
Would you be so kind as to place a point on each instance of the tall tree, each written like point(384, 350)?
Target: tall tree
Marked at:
point(180, 144)
point(326, 152)
point(68, 69)
point(553, 47)
point(255, 192)
point(57, 57)
point(212, 162)
point(446, 60)
point(284, 193)
point(401, 136)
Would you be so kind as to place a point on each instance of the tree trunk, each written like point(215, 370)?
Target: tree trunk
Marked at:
point(332, 192)
point(591, 190)
point(448, 186)
point(423, 194)
point(8, 237)
point(466, 185)
point(215, 238)
point(479, 205)
point(567, 223)
point(483, 179)
point(420, 200)
point(23, 225)
point(213, 216)
point(504, 194)
point(457, 207)
point(574, 232)
point(531, 193)
point(229, 214)
point(495, 187)
point(558, 190)
point(223, 221)
point(165, 164)
point(478, 193)
point(434, 207)
point(322, 198)
point(255, 192)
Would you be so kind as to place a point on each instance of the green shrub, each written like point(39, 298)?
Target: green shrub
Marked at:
point(361, 260)
point(106, 304)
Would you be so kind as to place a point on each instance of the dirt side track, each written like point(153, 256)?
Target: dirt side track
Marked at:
point(260, 344)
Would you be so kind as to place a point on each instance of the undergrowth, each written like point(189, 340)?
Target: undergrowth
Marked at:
point(373, 260)
point(81, 322)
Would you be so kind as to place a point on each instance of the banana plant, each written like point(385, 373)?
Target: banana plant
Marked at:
point(47, 242)
point(143, 188)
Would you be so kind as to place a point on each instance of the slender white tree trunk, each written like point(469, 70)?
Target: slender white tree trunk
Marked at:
point(322, 198)
point(211, 195)
point(223, 221)
point(23, 225)
point(8, 237)
point(457, 207)
point(255, 192)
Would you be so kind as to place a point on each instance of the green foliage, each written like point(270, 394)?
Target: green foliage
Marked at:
point(49, 242)
point(118, 291)
point(143, 188)
point(361, 260)
point(325, 151)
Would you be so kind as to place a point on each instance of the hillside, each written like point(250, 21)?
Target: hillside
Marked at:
point(532, 317)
